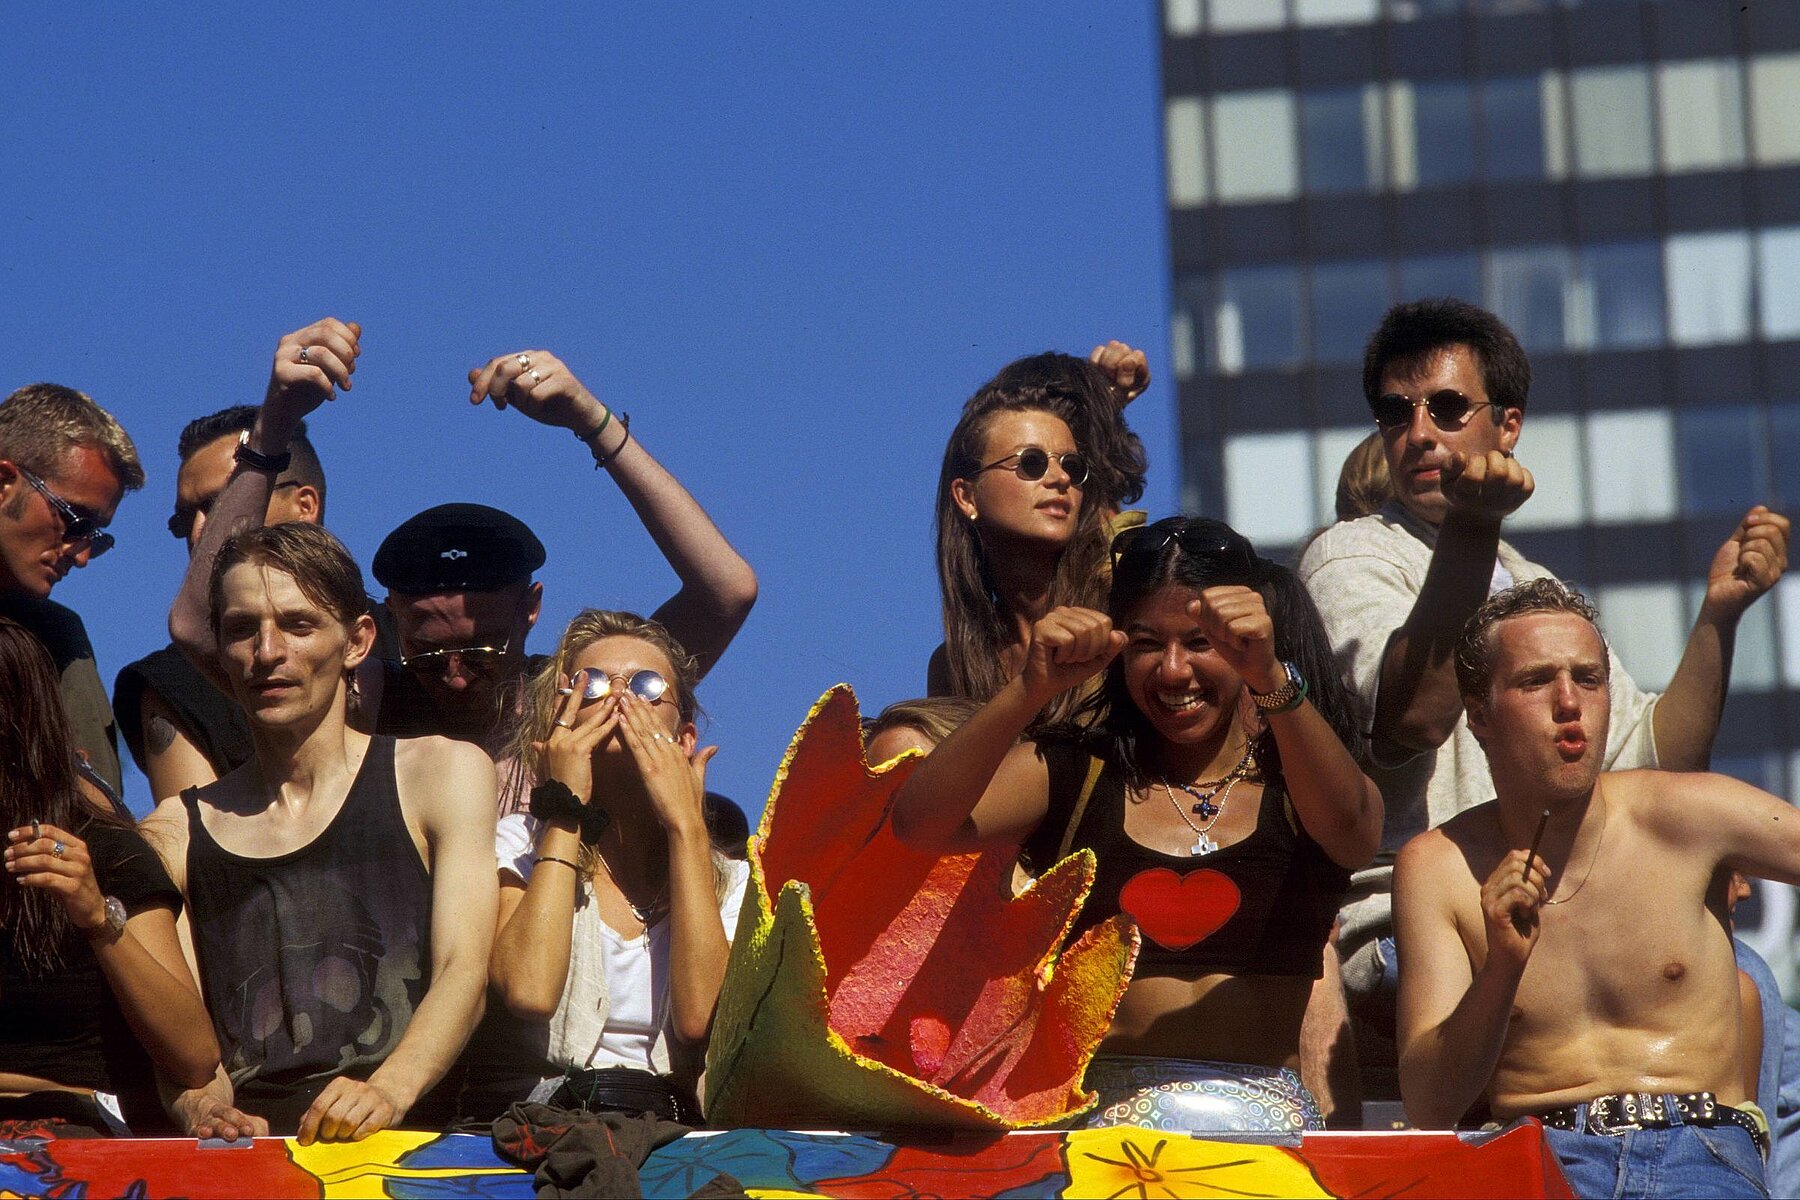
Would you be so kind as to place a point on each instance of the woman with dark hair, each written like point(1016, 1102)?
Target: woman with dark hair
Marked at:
point(616, 911)
point(93, 985)
point(1211, 780)
point(1035, 471)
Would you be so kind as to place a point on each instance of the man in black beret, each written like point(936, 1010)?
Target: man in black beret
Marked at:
point(459, 576)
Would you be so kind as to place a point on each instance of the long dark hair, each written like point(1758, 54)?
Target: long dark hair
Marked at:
point(1198, 553)
point(37, 784)
point(976, 629)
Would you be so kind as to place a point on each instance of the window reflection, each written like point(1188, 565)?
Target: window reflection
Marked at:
point(1253, 136)
point(1778, 275)
point(1257, 323)
point(1709, 287)
point(1623, 284)
point(1348, 299)
point(1432, 275)
point(1774, 99)
point(1512, 128)
point(1630, 461)
point(1528, 288)
point(1445, 123)
point(1701, 109)
point(1340, 130)
point(1723, 469)
point(1612, 120)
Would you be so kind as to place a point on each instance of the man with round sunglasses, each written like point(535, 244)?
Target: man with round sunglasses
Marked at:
point(461, 596)
point(65, 464)
point(181, 730)
point(1447, 383)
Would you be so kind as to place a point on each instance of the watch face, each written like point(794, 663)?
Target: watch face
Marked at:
point(115, 914)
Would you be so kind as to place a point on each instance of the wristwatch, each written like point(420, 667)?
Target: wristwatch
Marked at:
point(275, 464)
point(1285, 697)
point(115, 918)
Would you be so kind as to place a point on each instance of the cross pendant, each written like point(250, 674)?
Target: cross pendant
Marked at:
point(1206, 810)
point(1202, 845)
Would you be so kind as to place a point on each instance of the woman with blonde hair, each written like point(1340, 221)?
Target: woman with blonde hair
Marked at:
point(616, 913)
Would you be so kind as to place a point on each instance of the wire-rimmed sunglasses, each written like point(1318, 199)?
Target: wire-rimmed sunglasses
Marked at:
point(1033, 462)
point(476, 660)
point(595, 684)
point(77, 527)
point(1198, 537)
point(1448, 409)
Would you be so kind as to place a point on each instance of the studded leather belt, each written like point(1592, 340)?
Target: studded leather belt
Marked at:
point(1616, 1114)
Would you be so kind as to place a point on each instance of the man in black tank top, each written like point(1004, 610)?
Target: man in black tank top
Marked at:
point(341, 887)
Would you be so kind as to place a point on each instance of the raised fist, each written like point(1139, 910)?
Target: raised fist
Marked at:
point(1490, 486)
point(1237, 624)
point(1068, 646)
point(1750, 562)
point(1128, 369)
point(541, 386)
point(310, 364)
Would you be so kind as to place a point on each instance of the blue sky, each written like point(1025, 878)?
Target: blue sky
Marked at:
point(788, 239)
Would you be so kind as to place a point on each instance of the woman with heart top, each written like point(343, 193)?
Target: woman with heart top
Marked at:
point(616, 912)
point(1029, 492)
point(1213, 784)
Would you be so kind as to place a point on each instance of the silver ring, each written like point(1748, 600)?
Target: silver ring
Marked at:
point(57, 850)
point(662, 737)
point(562, 724)
point(305, 355)
point(37, 829)
point(537, 376)
point(524, 361)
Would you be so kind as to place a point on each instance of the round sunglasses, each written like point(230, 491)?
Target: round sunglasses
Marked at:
point(1032, 463)
point(1448, 409)
point(595, 684)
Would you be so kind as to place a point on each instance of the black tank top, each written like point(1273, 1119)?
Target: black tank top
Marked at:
point(1261, 906)
point(313, 961)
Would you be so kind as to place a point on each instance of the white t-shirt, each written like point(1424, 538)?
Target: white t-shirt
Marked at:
point(633, 1000)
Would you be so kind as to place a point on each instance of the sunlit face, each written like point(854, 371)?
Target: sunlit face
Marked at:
point(1174, 676)
point(1004, 506)
point(1546, 718)
point(34, 554)
point(620, 658)
point(459, 621)
point(206, 472)
point(1417, 452)
point(285, 657)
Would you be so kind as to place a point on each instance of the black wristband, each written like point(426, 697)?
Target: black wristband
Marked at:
point(274, 464)
point(553, 800)
point(601, 460)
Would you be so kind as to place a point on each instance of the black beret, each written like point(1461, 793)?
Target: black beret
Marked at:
point(458, 548)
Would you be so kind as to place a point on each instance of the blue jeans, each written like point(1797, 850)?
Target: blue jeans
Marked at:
point(1683, 1160)
point(1778, 1080)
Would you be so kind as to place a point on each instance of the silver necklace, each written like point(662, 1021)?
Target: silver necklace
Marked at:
point(647, 911)
point(1203, 842)
point(1204, 808)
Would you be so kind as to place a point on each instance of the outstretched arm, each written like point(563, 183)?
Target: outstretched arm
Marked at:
point(1453, 1018)
point(718, 587)
point(979, 788)
point(1750, 562)
point(309, 364)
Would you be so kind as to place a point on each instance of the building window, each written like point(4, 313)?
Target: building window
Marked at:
point(1528, 287)
point(1516, 130)
point(1612, 121)
point(1787, 597)
point(1774, 99)
point(1237, 16)
point(1348, 299)
point(1621, 288)
point(1253, 136)
point(1723, 469)
point(1182, 18)
point(1550, 448)
point(1630, 461)
point(1784, 459)
point(1432, 275)
point(1257, 323)
point(1186, 133)
point(1701, 106)
point(1276, 515)
point(1331, 452)
point(1444, 127)
point(1643, 621)
point(1340, 131)
point(1335, 12)
point(1709, 288)
point(1778, 281)
point(1755, 665)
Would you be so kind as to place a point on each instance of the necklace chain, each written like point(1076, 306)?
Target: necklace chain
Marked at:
point(647, 911)
point(1203, 843)
point(1605, 813)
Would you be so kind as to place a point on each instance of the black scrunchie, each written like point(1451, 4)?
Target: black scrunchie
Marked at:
point(552, 800)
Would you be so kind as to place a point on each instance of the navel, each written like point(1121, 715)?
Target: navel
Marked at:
point(1673, 971)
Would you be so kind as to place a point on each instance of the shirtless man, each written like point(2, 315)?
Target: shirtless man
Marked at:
point(340, 887)
point(1592, 984)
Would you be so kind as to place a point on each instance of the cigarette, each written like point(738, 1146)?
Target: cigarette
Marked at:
point(1536, 838)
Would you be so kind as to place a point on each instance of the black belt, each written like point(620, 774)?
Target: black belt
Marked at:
point(1616, 1114)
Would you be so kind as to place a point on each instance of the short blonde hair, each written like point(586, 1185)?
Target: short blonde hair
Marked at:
point(41, 422)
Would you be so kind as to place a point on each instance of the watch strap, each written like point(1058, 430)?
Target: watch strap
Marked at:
point(1285, 698)
point(275, 464)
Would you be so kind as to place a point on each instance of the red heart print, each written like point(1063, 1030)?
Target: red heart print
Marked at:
point(1175, 911)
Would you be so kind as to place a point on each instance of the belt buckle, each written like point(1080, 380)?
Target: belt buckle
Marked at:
point(1614, 1115)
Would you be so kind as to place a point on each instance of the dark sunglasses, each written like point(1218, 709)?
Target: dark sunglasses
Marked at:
point(1448, 409)
point(476, 660)
point(1199, 537)
point(77, 527)
point(596, 684)
point(181, 522)
point(1031, 464)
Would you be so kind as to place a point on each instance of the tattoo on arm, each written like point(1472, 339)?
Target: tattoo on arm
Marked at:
point(161, 735)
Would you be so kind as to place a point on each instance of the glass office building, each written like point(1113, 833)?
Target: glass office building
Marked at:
point(1618, 179)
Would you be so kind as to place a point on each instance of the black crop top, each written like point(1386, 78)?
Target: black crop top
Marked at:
point(1261, 906)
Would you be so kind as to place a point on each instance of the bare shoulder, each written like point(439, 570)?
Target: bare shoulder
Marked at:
point(1441, 858)
point(442, 774)
point(166, 830)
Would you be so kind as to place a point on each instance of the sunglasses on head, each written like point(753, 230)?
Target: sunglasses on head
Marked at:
point(1448, 409)
point(476, 660)
point(646, 685)
point(1032, 463)
point(1200, 538)
point(181, 521)
point(77, 527)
